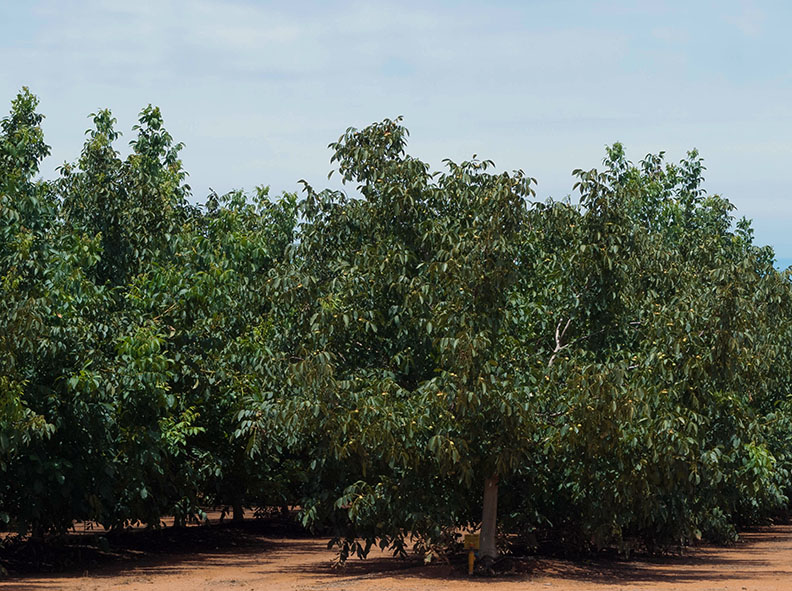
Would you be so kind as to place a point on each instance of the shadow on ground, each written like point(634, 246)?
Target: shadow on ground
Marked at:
point(265, 548)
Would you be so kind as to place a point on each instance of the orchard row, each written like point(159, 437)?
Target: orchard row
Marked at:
point(431, 351)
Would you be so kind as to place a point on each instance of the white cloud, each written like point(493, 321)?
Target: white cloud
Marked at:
point(749, 19)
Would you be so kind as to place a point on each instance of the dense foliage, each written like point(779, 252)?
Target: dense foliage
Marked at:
point(609, 372)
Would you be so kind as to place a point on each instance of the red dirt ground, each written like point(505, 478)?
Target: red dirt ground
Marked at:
point(762, 560)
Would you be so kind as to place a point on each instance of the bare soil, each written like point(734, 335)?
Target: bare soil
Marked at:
point(270, 557)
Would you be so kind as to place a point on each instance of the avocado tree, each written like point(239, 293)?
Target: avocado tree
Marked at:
point(670, 329)
point(51, 437)
point(401, 381)
point(129, 326)
point(186, 285)
point(25, 208)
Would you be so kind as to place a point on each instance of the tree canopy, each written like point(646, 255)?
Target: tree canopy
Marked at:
point(427, 352)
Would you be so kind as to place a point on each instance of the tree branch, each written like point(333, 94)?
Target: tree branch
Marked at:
point(559, 336)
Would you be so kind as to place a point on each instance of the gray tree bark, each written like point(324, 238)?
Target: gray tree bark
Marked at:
point(489, 521)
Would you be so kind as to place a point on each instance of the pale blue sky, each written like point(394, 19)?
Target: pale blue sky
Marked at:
point(257, 90)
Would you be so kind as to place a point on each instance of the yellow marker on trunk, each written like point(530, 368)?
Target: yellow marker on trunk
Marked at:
point(471, 544)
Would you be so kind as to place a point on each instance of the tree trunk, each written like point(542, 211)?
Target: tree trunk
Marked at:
point(239, 510)
point(489, 521)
